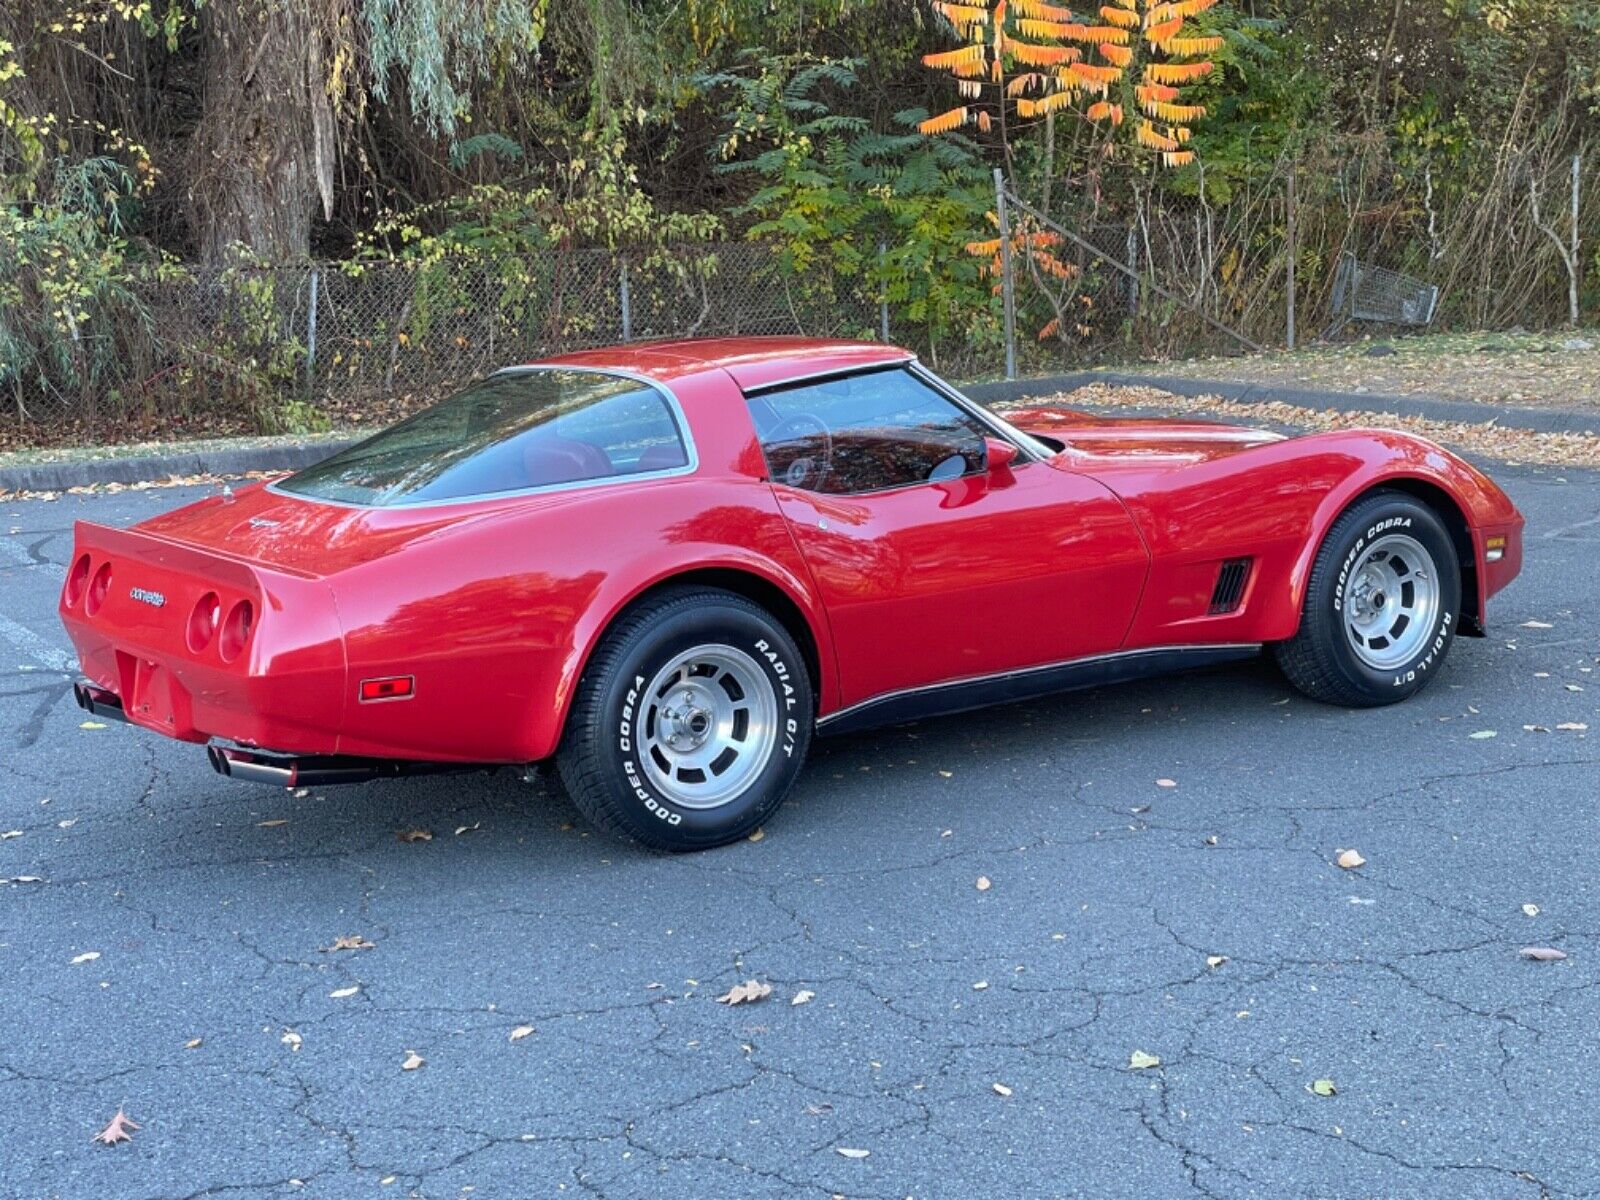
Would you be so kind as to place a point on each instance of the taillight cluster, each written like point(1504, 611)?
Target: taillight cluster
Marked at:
point(82, 587)
point(232, 633)
point(89, 585)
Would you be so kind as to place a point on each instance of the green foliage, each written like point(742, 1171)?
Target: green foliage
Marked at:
point(66, 282)
point(890, 211)
point(441, 49)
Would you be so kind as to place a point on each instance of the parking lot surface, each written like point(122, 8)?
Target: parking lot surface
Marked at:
point(979, 932)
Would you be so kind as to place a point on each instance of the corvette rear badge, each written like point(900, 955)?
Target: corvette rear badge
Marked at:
point(145, 596)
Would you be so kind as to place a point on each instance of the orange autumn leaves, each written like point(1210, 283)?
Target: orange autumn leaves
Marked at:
point(1130, 59)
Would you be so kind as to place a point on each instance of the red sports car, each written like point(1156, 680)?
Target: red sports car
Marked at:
point(667, 566)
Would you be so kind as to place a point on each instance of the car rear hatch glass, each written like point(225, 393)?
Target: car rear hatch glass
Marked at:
point(520, 429)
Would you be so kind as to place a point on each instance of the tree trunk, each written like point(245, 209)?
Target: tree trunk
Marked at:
point(263, 149)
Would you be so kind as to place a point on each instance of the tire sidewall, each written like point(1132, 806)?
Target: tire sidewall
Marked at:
point(650, 815)
point(1362, 527)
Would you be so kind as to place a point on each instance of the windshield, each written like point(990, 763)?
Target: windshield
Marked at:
point(515, 430)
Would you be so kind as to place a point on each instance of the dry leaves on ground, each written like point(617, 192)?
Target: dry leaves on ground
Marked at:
point(1141, 1061)
point(747, 992)
point(803, 997)
point(413, 1061)
point(851, 1152)
point(414, 835)
point(520, 1032)
point(1350, 859)
point(1542, 953)
point(983, 884)
point(1486, 438)
point(119, 1129)
point(1324, 1087)
point(346, 941)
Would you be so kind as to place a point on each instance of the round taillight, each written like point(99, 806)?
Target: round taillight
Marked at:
point(77, 580)
point(236, 630)
point(98, 587)
point(203, 621)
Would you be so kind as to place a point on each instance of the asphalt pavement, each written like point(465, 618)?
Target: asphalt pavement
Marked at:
point(1162, 885)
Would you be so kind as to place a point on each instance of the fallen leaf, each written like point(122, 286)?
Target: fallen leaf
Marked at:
point(414, 835)
point(272, 824)
point(473, 828)
point(1216, 960)
point(292, 1040)
point(119, 1129)
point(1530, 910)
point(87, 956)
point(1350, 859)
point(818, 1110)
point(747, 992)
point(413, 1061)
point(849, 1152)
point(1166, 783)
point(1139, 809)
point(1537, 625)
point(92, 725)
point(10, 833)
point(1572, 687)
point(1001, 1089)
point(946, 774)
point(1572, 726)
point(1212, 840)
point(520, 1032)
point(346, 941)
point(1139, 1061)
point(981, 986)
point(1542, 953)
point(1536, 729)
point(1323, 1087)
point(983, 883)
point(803, 997)
point(341, 993)
point(756, 835)
point(1483, 734)
point(193, 1043)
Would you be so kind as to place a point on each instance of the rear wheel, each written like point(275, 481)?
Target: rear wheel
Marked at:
point(1381, 607)
point(690, 723)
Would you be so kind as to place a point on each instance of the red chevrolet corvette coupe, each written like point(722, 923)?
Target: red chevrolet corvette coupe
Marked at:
point(668, 565)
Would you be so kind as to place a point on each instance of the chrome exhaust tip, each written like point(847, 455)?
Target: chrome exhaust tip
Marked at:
point(98, 702)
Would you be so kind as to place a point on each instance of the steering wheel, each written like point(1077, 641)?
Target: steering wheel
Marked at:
point(803, 471)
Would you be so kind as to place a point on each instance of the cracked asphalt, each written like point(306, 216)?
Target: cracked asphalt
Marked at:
point(214, 1017)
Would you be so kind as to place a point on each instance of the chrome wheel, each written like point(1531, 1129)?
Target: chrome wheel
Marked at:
point(709, 722)
point(1391, 602)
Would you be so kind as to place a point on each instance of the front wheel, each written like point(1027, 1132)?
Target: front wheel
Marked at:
point(691, 721)
point(1381, 608)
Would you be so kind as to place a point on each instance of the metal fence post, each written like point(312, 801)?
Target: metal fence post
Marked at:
point(1575, 273)
point(311, 335)
point(627, 306)
point(1007, 290)
point(883, 293)
point(1293, 251)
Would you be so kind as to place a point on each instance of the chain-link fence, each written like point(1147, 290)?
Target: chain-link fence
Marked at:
point(1127, 265)
point(292, 348)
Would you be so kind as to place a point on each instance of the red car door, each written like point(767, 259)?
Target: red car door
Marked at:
point(933, 568)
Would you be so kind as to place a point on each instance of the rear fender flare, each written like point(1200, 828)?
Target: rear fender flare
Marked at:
point(622, 589)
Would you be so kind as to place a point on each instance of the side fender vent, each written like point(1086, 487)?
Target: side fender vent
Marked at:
point(1229, 592)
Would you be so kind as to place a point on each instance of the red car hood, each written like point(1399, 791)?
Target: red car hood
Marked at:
point(1095, 441)
point(307, 536)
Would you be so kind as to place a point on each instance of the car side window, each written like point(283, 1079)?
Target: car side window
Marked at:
point(865, 433)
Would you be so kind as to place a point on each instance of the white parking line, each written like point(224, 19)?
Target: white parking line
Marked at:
point(31, 645)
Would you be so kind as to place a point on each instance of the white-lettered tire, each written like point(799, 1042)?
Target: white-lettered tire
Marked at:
point(690, 723)
point(1382, 605)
